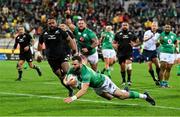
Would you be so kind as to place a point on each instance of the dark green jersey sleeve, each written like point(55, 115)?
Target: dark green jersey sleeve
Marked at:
point(92, 35)
point(86, 78)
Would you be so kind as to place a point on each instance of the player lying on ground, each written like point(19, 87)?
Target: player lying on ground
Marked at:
point(101, 84)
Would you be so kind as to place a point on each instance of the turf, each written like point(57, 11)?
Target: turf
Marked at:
point(43, 96)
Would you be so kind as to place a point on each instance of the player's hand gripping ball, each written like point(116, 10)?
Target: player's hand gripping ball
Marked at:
point(72, 80)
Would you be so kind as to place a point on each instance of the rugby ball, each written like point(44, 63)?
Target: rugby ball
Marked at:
point(72, 80)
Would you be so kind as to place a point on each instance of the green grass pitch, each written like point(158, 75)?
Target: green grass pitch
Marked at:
point(43, 96)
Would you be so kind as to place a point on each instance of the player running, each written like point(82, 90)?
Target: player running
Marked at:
point(24, 40)
point(108, 51)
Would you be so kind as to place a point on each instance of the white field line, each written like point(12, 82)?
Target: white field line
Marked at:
point(56, 83)
point(86, 100)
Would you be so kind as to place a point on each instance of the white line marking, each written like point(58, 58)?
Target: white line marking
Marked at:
point(86, 100)
point(55, 83)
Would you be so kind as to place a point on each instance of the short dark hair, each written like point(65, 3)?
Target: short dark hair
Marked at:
point(78, 58)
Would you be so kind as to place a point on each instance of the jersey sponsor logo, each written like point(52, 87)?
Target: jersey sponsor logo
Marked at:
point(169, 41)
point(51, 37)
point(125, 36)
point(20, 39)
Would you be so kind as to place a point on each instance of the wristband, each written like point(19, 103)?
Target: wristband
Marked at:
point(74, 98)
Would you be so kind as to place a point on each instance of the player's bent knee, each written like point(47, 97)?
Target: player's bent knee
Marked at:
point(121, 94)
point(122, 97)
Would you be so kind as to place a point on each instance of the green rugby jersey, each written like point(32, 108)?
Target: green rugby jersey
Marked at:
point(84, 40)
point(107, 41)
point(167, 46)
point(87, 75)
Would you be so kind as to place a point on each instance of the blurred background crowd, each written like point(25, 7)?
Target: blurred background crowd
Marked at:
point(98, 13)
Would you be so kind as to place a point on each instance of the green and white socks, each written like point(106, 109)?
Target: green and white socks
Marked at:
point(134, 94)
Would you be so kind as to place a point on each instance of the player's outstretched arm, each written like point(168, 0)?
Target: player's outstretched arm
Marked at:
point(80, 93)
point(70, 24)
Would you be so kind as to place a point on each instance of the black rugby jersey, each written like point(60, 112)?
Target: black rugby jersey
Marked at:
point(124, 38)
point(23, 40)
point(55, 42)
